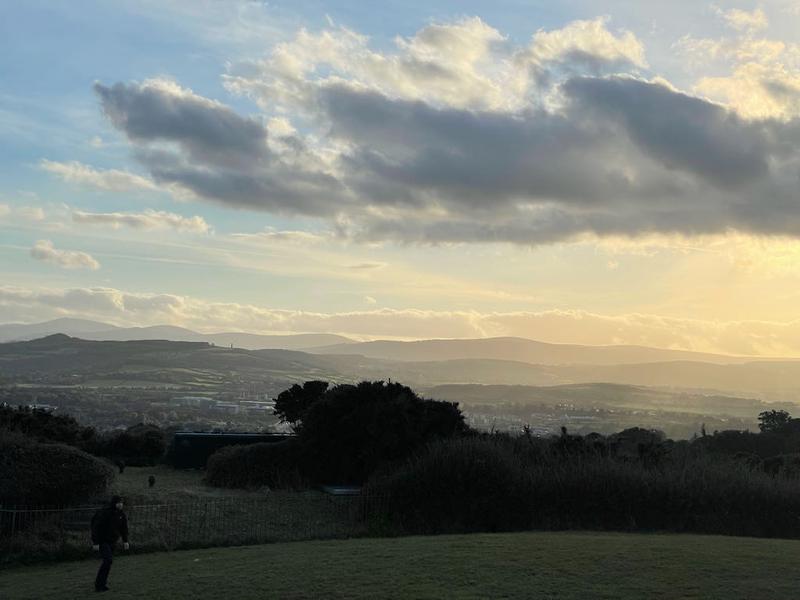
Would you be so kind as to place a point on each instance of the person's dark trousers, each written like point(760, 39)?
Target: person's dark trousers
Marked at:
point(105, 567)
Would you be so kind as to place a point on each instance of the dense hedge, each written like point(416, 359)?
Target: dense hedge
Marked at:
point(460, 485)
point(45, 426)
point(36, 474)
point(241, 466)
point(138, 446)
point(497, 482)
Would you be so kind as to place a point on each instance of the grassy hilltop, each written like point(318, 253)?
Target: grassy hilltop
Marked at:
point(516, 565)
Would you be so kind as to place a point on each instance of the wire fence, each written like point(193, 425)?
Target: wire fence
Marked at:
point(27, 532)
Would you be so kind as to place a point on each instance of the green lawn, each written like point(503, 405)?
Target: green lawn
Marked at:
point(519, 565)
point(172, 485)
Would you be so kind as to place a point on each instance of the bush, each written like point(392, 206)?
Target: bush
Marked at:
point(274, 464)
point(44, 426)
point(460, 486)
point(492, 483)
point(138, 446)
point(37, 474)
point(355, 429)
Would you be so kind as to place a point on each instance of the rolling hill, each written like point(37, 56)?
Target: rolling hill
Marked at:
point(56, 357)
point(523, 350)
point(94, 330)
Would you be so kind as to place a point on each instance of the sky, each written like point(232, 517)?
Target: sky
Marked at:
point(583, 172)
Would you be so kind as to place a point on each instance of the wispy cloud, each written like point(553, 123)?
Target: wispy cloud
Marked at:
point(110, 179)
point(147, 220)
point(68, 259)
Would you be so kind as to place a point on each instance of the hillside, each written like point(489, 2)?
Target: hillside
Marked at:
point(522, 350)
point(567, 566)
point(599, 395)
point(61, 359)
point(94, 330)
point(59, 356)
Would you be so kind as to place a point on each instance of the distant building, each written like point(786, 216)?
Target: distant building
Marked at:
point(192, 400)
point(227, 407)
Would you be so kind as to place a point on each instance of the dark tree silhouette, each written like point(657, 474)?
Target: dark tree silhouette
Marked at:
point(773, 421)
point(291, 404)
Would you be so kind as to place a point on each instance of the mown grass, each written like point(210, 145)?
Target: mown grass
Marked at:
point(516, 565)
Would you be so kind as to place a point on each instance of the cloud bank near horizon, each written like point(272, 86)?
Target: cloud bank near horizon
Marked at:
point(757, 338)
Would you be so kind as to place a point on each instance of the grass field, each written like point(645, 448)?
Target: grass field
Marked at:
point(518, 565)
point(172, 485)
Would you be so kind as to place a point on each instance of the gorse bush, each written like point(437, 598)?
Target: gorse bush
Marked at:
point(48, 474)
point(497, 482)
point(344, 434)
point(457, 486)
point(139, 445)
point(44, 426)
point(276, 465)
point(352, 430)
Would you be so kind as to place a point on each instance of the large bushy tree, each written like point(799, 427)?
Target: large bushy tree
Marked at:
point(291, 404)
point(352, 430)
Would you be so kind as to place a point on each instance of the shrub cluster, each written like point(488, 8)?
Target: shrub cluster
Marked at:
point(44, 426)
point(276, 465)
point(494, 483)
point(344, 434)
point(36, 474)
point(137, 445)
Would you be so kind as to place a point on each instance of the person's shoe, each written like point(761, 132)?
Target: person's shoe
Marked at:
point(103, 588)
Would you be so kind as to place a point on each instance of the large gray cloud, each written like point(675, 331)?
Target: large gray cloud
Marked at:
point(208, 149)
point(624, 156)
point(614, 155)
point(210, 133)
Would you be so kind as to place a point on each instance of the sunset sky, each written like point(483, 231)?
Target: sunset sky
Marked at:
point(583, 172)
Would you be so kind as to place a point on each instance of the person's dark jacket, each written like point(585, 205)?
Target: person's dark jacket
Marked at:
point(108, 525)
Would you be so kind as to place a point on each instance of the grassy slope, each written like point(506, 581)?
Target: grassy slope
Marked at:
point(172, 486)
point(520, 565)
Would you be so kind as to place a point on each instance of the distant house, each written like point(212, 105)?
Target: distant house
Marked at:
point(190, 450)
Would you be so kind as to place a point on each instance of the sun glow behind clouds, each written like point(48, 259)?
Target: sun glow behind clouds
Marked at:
point(474, 181)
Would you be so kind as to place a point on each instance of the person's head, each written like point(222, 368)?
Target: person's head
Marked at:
point(117, 502)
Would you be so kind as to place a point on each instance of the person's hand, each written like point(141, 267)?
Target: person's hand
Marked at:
point(126, 545)
point(95, 546)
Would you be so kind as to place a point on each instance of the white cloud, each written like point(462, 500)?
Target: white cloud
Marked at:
point(30, 213)
point(5, 209)
point(68, 259)
point(111, 179)
point(148, 220)
point(742, 20)
point(459, 135)
point(588, 40)
point(274, 236)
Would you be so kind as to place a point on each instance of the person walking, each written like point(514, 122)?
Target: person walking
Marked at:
point(108, 525)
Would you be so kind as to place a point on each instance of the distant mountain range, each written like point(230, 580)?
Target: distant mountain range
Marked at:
point(94, 330)
point(524, 350)
point(498, 348)
point(60, 359)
